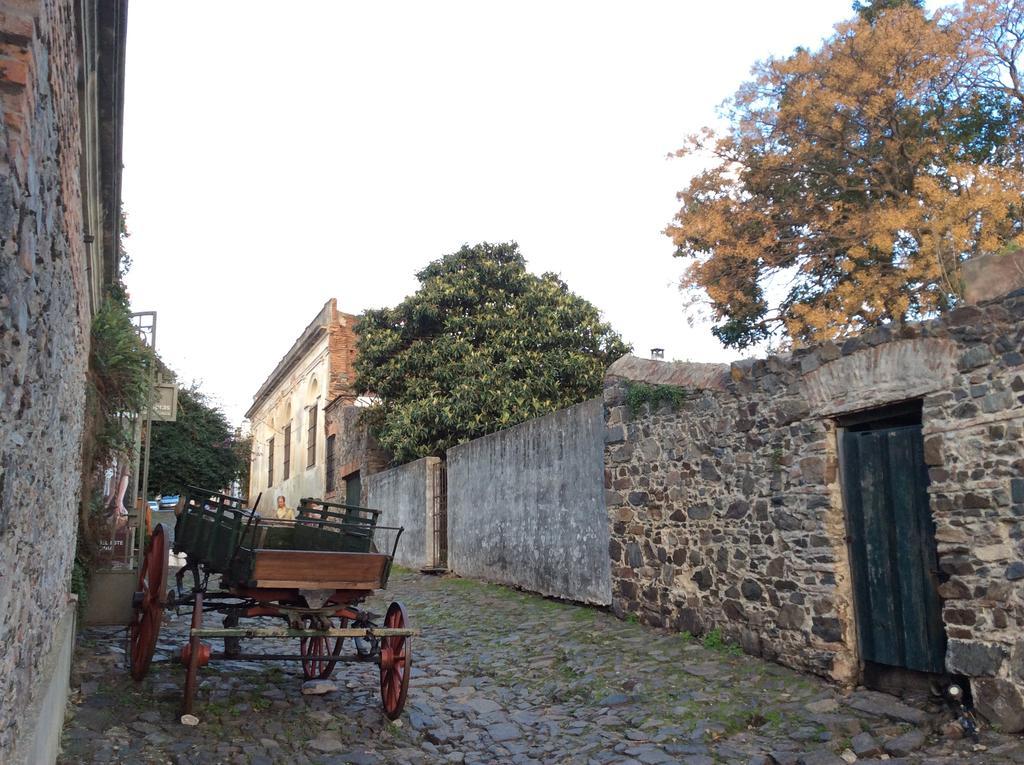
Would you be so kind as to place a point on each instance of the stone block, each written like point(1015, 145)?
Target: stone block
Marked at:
point(933, 450)
point(903, 745)
point(828, 629)
point(1000, 702)
point(615, 434)
point(791, 617)
point(864, 745)
point(973, 658)
point(988, 277)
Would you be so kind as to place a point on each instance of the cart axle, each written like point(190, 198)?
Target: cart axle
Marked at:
point(368, 633)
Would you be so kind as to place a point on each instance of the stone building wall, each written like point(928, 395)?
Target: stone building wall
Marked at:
point(355, 448)
point(51, 275)
point(726, 509)
point(316, 371)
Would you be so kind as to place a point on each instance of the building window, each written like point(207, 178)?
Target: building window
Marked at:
point(287, 452)
point(311, 438)
point(270, 462)
point(330, 464)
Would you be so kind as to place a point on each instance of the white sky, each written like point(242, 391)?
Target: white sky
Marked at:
point(279, 154)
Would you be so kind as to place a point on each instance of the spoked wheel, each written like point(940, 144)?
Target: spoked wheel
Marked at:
point(395, 663)
point(148, 604)
point(318, 660)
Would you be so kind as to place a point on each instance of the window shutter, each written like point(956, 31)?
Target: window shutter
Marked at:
point(311, 436)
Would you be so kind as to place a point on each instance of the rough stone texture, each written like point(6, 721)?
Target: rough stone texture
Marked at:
point(355, 449)
point(727, 513)
point(404, 495)
point(498, 677)
point(526, 506)
point(991, 276)
point(47, 275)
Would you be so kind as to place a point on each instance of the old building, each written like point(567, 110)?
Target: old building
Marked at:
point(851, 509)
point(352, 452)
point(289, 450)
point(61, 82)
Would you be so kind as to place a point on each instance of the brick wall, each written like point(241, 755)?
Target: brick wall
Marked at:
point(726, 510)
point(355, 447)
point(342, 347)
point(44, 317)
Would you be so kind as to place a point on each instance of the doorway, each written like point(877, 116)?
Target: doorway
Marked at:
point(353, 489)
point(892, 540)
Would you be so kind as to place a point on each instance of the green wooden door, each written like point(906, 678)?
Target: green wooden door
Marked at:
point(353, 489)
point(892, 546)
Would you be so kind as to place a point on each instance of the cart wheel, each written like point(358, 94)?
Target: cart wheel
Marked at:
point(395, 663)
point(148, 604)
point(194, 652)
point(317, 661)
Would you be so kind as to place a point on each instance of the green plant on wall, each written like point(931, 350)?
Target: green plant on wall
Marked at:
point(117, 390)
point(639, 395)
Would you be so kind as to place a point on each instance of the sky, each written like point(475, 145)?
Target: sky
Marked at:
point(280, 154)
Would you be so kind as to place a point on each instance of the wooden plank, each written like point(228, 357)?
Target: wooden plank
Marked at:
point(318, 567)
point(884, 618)
point(855, 528)
point(923, 634)
point(272, 632)
point(289, 584)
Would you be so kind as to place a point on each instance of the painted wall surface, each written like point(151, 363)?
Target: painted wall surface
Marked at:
point(526, 506)
point(403, 494)
point(290, 407)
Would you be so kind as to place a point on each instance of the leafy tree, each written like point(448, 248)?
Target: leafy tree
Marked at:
point(483, 344)
point(870, 10)
point(199, 449)
point(851, 182)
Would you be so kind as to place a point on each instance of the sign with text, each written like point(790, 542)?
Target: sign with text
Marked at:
point(165, 403)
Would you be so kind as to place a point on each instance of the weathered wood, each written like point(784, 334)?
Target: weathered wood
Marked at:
point(892, 546)
point(317, 584)
point(284, 632)
point(319, 570)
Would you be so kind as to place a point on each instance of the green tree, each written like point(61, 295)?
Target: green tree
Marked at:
point(869, 10)
point(199, 449)
point(851, 182)
point(483, 344)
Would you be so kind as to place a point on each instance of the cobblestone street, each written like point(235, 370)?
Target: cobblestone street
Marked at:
point(502, 676)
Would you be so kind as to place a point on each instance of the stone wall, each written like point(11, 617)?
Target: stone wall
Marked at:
point(404, 495)
point(726, 510)
point(526, 506)
point(355, 448)
point(49, 268)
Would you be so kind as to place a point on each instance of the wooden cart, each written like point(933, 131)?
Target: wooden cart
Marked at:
point(311, 572)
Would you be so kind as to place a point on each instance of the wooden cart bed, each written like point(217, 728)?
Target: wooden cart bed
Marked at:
point(307, 569)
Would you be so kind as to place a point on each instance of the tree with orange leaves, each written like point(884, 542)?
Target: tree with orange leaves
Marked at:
point(851, 182)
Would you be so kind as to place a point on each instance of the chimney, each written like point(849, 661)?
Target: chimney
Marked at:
point(658, 353)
